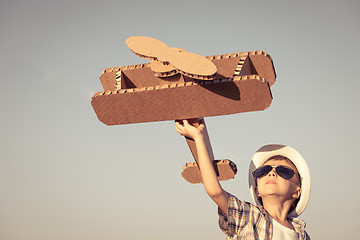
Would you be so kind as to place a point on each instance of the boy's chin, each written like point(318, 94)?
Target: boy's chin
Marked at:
point(274, 193)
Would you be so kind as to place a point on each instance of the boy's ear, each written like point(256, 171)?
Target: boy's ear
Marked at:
point(297, 194)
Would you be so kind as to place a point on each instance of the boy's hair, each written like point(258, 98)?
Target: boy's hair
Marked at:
point(281, 157)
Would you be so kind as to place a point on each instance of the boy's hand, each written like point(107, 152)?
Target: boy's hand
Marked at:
point(191, 128)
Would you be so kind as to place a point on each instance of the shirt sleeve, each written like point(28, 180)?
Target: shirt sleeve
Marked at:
point(237, 218)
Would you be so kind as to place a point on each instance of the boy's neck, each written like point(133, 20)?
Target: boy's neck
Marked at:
point(278, 210)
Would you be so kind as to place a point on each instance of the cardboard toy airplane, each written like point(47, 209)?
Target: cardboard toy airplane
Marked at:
point(177, 84)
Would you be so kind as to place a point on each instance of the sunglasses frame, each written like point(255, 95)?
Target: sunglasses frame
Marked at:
point(276, 170)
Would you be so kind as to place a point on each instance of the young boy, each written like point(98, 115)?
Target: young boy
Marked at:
point(279, 183)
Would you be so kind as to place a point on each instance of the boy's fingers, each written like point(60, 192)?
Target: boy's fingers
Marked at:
point(178, 121)
point(186, 122)
point(179, 127)
point(179, 132)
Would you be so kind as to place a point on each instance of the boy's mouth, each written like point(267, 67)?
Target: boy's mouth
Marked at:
point(271, 182)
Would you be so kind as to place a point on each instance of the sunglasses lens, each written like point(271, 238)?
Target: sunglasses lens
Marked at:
point(282, 171)
point(262, 171)
point(285, 172)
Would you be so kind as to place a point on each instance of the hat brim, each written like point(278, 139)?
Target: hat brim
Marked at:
point(268, 151)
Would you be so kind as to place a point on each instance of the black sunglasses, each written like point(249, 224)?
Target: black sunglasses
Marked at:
point(283, 171)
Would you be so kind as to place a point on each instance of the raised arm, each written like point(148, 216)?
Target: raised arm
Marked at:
point(211, 183)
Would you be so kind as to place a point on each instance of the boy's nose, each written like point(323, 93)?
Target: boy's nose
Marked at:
point(272, 173)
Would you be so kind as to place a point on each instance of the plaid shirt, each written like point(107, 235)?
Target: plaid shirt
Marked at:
point(247, 221)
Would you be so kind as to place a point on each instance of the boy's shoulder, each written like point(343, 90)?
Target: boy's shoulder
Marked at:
point(237, 204)
point(239, 212)
point(246, 217)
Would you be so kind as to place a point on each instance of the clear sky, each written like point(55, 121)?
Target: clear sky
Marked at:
point(65, 175)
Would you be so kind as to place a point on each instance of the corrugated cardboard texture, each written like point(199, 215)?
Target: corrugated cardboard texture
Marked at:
point(133, 94)
point(225, 170)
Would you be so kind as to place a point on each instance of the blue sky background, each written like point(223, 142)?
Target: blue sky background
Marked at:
point(65, 175)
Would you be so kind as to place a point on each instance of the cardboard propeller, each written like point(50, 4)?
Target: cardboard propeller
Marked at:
point(165, 61)
point(181, 85)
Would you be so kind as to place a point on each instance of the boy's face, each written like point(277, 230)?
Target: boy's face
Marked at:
point(272, 185)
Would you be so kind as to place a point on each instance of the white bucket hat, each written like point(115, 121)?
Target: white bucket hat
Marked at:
point(268, 151)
